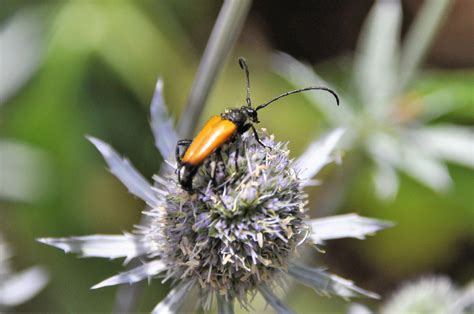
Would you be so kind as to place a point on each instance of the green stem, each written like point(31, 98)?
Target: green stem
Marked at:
point(228, 25)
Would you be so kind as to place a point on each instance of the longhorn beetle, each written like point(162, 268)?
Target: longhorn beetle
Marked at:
point(222, 128)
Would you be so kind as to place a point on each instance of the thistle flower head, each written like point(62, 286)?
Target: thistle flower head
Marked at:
point(236, 234)
point(239, 228)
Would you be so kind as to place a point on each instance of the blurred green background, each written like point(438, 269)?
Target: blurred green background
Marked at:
point(90, 68)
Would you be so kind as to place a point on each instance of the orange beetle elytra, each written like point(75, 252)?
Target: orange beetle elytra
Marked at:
point(220, 129)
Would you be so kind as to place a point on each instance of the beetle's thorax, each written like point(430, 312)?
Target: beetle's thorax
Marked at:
point(240, 116)
point(236, 116)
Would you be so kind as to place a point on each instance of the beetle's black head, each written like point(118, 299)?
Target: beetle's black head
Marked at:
point(251, 113)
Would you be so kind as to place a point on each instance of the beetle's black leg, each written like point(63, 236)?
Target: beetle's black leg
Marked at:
point(180, 143)
point(219, 155)
point(250, 126)
point(178, 154)
point(213, 175)
point(245, 128)
point(219, 161)
point(216, 165)
point(236, 157)
point(257, 138)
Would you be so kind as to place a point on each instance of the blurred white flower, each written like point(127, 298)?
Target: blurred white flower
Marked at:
point(434, 295)
point(235, 238)
point(17, 287)
point(383, 119)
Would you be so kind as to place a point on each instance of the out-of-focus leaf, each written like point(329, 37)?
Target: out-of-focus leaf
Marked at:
point(449, 142)
point(20, 51)
point(300, 75)
point(137, 49)
point(386, 182)
point(376, 61)
point(425, 168)
point(436, 104)
point(442, 92)
point(413, 160)
point(22, 286)
point(419, 38)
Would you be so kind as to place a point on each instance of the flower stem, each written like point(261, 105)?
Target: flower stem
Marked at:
point(224, 34)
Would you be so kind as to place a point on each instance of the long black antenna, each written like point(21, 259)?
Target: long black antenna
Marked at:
point(298, 91)
point(243, 66)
